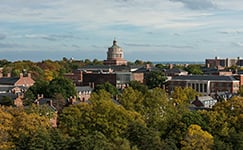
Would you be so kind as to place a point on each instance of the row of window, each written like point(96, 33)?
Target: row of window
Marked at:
point(199, 87)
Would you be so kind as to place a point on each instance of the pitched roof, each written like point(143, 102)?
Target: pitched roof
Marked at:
point(84, 88)
point(9, 81)
point(175, 70)
point(205, 77)
point(10, 95)
point(6, 88)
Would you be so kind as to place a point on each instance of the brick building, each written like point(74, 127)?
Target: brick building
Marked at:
point(221, 63)
point(118, 79)
point(25, 81)
point(115, 55)
point(205, 84)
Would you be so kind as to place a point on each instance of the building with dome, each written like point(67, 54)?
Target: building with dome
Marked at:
point(115, 55)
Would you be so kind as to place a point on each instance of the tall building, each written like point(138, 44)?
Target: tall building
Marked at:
point(115, 55)
point(221, 63)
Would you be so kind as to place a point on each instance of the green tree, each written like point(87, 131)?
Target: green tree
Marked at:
point(95, 141)
point(138, 62)
point(62, 86)
point(4, 62)
point(142, 137)
point(39, 87)
point(103, 116)
point(156, 105)
point(7, 101)
point(184, 95)
point(136, 85)
point(107, 87)
point(155, 79)
point(194, 69)
point(132, 99)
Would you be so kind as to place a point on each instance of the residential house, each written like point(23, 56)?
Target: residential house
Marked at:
point(21, 81)
point(84, 93)
point(17, 99)
point(51, 112)
point(204, 102)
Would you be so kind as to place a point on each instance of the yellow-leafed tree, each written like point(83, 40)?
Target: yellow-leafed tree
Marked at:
point(196, 138)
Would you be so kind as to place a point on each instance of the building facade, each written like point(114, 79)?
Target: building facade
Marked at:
point(221, 63)
point(115, 55)
point(205, 84)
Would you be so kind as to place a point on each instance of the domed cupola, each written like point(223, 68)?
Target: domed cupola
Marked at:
point(115, 55)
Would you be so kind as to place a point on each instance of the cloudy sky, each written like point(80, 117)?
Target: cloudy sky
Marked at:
point(154, 30)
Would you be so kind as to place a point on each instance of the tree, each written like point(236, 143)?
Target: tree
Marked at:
point(132, 99)
point(4, 62)
point(196, 138)
point(7, 101)
point(39, 87)
point(62, 86)
point(138, 62)
point(101, 116)
point(156, 105)
point(155, 79)
point(21, 130)
point(142, 137)
point(241, 91)
point(194, 69)
point(6, 125)
point(107, 87)
point(136, 85)
point(184, 95)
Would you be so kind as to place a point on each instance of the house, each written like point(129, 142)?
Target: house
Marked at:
point(51, 110)
point(205, 84)
point(24, 81)
point(84, 92)
point(12, 89)
point(11, 99)
point(204, 102)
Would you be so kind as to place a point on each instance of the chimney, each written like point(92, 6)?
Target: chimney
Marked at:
point(9, 75)
point(50, 103)
point(39, 96)
point(21, 75)
point(29, 75)
point(171, 66)
point(148, 66)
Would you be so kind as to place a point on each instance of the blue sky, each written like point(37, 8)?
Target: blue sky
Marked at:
point(150, 30)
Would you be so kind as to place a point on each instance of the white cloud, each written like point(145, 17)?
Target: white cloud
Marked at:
point(238, 44)
point(96, 14)
point(231, 31)
point(46, 24)
point(197, 4)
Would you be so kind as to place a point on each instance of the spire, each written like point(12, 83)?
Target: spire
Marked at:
point(114, 41)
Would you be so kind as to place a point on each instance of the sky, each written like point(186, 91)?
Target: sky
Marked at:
point(149, 30)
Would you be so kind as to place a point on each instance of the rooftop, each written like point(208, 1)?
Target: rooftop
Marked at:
point(205, 77)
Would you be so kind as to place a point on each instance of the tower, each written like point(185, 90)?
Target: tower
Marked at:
point(115, 55)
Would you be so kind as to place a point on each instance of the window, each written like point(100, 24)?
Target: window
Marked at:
point(201, 87)
point(205, 88)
